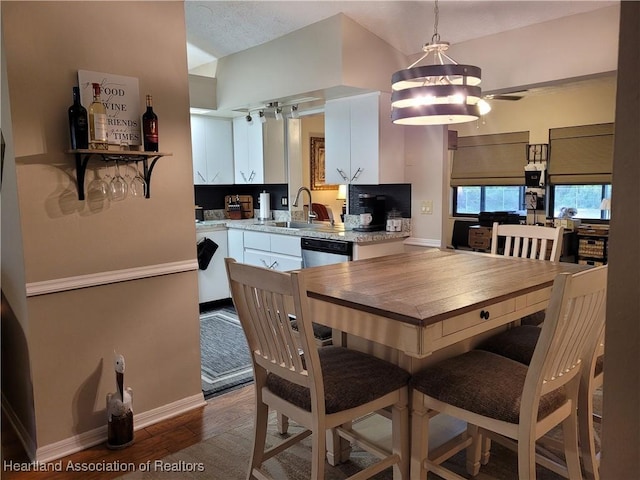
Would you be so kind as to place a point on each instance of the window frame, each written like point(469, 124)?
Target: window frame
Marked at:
point(454, 190)
point(552, 193)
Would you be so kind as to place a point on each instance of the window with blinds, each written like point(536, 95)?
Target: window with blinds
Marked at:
point(497, 159)
point(581, 155)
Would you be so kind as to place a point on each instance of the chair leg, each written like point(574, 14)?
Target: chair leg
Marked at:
point(400, 437)
point(338, 449)
point(586, 433)
point(318, 451)
point(419, 438)
point(486, 450)
point(283, 423)
point(259, 436)
point(571, 454)
point(474, 451)
point(527, 456)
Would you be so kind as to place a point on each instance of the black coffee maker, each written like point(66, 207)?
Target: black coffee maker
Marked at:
point(376, 206)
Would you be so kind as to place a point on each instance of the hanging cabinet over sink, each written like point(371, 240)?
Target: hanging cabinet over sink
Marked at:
point(258, 151)
point(362, 146)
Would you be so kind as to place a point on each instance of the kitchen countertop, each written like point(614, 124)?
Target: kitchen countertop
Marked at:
point(317, 230)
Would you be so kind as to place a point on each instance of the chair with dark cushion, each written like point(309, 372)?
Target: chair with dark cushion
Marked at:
point(319, 388)
point(500, 397)
point(518, 343)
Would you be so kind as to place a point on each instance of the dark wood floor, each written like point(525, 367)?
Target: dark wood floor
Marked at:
point(221, 413)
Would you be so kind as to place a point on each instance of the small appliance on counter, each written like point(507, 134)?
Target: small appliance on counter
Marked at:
point(373, 218)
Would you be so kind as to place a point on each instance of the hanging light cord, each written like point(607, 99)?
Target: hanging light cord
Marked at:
point(436, 36)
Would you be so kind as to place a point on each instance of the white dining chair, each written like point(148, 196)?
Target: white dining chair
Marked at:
point(498, 396)
point(527, 241)
point(320, 388)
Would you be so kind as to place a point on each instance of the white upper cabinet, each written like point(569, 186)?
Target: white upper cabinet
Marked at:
point(259, 154)
point(212, 150)
point(362, 146)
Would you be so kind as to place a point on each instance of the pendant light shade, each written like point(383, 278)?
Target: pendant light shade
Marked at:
point(437, 94)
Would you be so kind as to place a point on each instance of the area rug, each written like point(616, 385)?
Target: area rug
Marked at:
point(226, 362)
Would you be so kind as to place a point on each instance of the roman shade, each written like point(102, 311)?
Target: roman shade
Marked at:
point(497, 159)
point(581, 155)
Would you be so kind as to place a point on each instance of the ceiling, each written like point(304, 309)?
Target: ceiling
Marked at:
point(219, 28)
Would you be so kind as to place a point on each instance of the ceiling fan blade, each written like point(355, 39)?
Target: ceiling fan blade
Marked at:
point(504, 97)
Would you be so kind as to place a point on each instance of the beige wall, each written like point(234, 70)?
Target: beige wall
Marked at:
point(152, 321)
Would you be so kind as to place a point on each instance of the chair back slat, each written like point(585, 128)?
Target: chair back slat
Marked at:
point(527, 241)
point(264, 301)
point(572, 328)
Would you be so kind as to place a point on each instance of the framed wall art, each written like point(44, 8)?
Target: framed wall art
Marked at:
point(317, 165)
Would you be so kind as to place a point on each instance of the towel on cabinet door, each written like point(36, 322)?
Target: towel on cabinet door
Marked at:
point(206, 249)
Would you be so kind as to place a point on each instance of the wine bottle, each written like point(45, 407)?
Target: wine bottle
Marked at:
point(97, 122)
point(150, 127)
point(78, 123)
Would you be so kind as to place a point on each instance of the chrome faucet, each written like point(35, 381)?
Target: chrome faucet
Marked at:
point(295, 203)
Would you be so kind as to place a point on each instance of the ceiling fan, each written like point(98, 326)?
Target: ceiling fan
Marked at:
point(511, 97)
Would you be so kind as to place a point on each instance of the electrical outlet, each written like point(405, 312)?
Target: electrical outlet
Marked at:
point(426, 207)
point(284, 201)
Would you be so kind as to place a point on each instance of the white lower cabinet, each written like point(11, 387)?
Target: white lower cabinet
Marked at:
point(236, 244)
point(212, 282)
point(271, 250)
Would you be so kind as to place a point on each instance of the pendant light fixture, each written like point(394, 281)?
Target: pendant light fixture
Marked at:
point(441, 93)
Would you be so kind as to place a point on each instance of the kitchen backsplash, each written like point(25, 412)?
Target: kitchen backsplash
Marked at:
point(211, 197)
point(397, 195)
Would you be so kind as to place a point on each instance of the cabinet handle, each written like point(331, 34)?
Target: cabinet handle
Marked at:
point(270, 267)
point(244, 177)
point(214, 177)
point(484, 314)
point(342, 174)
point(357, 174)
point(201, 177)
point(253, 174)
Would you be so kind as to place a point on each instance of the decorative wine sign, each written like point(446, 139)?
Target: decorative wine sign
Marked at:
point(121, 100)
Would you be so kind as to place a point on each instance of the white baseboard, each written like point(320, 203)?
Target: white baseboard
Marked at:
point(96, 436)
point(28, 443)
point(104, 278)
point(422, 242)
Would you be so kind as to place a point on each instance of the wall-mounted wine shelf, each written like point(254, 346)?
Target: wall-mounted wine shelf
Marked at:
point(83, 156)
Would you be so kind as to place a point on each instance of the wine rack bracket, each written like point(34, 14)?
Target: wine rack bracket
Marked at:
point(83, 156)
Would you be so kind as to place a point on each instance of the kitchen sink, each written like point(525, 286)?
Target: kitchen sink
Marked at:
point(294, 224)
point(322, 226)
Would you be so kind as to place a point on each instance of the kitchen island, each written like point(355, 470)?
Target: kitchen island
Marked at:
point(277, 245)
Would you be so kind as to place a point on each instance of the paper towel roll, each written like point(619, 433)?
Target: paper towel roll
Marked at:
point(265, 202)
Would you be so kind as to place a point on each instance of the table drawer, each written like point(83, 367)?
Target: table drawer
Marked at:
point(477, 317)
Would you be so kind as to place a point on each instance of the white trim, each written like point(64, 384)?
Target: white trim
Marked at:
point(422, 242)
point(27, 442)
point(104, 278)
point(98, 435)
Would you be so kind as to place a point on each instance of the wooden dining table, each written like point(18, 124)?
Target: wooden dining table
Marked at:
point(422, 302)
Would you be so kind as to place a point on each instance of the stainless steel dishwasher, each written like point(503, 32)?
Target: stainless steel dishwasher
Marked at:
point(321, 251)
